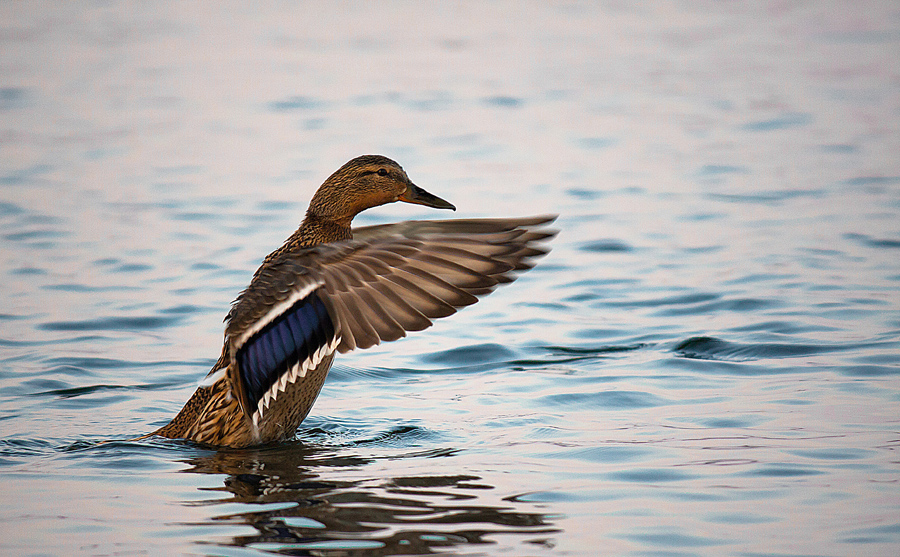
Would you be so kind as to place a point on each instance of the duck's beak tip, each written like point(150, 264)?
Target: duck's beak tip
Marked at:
point(415, 194)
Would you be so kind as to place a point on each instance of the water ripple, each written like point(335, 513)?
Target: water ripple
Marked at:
point(783, 121)
point(114, 323)
point(605, 246)
point(474, 354)
point(890, 243)
point(710, 348)
point(605, 400)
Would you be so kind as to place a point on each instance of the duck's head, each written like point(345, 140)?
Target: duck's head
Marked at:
point(365, 182)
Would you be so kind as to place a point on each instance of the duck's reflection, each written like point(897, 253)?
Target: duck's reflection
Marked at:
point(385, 516)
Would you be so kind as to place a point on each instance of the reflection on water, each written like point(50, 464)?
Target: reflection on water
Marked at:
point(388, 516)
point(708, 362)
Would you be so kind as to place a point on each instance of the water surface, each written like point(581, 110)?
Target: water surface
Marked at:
point(707, 362)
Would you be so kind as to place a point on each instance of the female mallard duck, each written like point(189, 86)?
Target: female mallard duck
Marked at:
point(331, 289)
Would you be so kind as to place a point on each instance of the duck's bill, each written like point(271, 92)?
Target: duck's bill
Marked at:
point(415, 194)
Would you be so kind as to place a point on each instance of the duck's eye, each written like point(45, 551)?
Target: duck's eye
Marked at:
point(382, 172)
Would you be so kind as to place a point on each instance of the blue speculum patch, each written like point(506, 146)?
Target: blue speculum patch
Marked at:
point(290, 338)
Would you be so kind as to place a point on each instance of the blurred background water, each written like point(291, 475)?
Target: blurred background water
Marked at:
point(707, 363)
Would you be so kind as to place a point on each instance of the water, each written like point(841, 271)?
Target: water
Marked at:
point(707, 363)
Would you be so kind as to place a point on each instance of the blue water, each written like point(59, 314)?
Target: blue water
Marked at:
point(707, 363)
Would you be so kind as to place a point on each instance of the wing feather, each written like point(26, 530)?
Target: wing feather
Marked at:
point(394, 278)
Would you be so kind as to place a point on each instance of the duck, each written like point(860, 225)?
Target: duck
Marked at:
point(331, 289)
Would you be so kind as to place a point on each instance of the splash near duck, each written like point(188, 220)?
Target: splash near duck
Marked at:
point(331, 289)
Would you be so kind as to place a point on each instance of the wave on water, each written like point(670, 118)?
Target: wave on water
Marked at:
point(711, 348)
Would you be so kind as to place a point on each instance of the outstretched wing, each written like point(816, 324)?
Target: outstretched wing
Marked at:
point(390, 279)
point(399, 277)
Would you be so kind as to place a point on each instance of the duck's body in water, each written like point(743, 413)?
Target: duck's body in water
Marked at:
point(330, 288)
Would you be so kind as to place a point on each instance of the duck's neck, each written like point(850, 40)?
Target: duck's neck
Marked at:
point(315, 230)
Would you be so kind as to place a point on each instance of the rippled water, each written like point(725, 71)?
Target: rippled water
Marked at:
point(707, 363)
